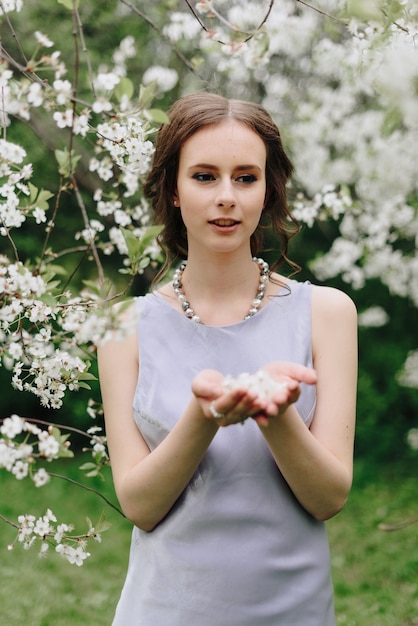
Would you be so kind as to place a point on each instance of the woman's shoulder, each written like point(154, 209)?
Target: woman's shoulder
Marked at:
point(331, 297)
point(330, 304)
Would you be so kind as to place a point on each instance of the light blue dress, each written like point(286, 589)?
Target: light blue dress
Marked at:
point(237, 549)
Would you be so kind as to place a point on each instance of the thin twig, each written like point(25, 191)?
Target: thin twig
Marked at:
point(404, 524)
point(82, 207)
point(30, 74)
point(85, 49)
point(160, 33)
point(321, 12)
point(8, 521)
point(90, 489)
point(12, 243)
point(35, 420)
point(229, 25)
point(14, 34)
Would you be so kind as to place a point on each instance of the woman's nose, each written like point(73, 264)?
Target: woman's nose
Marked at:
point(225, 196)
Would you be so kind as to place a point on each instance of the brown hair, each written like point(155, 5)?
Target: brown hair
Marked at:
point(188, 115)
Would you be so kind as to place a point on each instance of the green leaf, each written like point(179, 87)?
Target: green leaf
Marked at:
point(86, 376)
point(147, 95)
point(365, 10)
point(85, 467)
point(48, 299)
point(158, 116)
point(43, 197)
point(102, 524)
point(132, 243)
point(84, 386)
point(125, 87)
point(67, 162)
point(65, 453)
point(392, 120)
point(33, 192)
point(52, 284)
point(93, 286)
point(150, 234)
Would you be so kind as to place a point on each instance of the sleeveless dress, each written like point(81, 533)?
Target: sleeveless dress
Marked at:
point(236, 549)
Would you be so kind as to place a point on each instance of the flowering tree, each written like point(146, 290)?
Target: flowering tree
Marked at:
point(343, 83)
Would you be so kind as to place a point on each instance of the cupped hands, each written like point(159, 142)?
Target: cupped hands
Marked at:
point(261, 396)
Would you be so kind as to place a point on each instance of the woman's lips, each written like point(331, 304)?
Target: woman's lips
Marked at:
point(224, 225)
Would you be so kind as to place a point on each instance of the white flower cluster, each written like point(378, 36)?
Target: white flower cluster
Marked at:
point(13, 186)
point(412, 438)
point(127, 144)
point(260, 382)
point(10, 5)
point(373, 317)
point(45, 531)
point(23, 443)
point(164, 77)
point(408, 377)
point(50, 376)
point(354, 127)
point(326, 204)
point(41, 343)
point(122, 152)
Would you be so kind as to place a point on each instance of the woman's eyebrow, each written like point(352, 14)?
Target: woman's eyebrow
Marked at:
point(249, 166)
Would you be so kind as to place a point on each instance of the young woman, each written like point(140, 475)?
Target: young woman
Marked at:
point(228, 485)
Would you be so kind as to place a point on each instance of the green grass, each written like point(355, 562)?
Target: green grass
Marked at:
point(375, 572)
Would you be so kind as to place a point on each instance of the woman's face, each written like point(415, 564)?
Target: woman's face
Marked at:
point(221, 185)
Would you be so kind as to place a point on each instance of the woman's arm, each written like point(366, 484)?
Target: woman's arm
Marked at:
point(146, 484)
point(318, 463)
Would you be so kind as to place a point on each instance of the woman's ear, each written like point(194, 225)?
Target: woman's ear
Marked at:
point(176, 200)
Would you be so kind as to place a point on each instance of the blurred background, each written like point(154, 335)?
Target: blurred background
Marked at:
point(342, 85)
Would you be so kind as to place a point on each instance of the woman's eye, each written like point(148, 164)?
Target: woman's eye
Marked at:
point(247, 178)
point(203, 177)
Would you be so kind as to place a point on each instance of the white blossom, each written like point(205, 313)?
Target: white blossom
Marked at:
point(20, 469)
point(72, 555)
point(10, 5)
point(48, 445)
point(373, 317)
point(11, 152)
point(412, 438)
point(64, 91)
point(260, 382)
point(106, 81)
point(408, 377)
point(12, 426)
point(63, 119)
point(35, 95)
point(41, 477)
point(43, 40)
point(165, 78)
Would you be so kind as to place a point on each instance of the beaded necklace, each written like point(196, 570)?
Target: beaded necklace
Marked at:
point(190, 312)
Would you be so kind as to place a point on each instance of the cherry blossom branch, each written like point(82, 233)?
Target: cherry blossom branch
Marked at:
point(231, 27)
point(85, 49)
point(90, 489)
point(35, 420)
point(321, 12)
point(160, 33)
point(14, 34)
point(83, 209)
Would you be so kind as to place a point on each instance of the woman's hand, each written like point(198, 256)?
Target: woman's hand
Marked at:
point(225, 406)
point(234, 404)
point(288, 377)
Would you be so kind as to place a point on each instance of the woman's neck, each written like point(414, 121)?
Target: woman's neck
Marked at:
point(221, 290)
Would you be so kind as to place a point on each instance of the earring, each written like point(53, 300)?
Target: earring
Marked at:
point(175, 202)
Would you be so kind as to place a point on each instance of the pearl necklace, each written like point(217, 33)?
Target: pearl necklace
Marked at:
point(255, 304)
